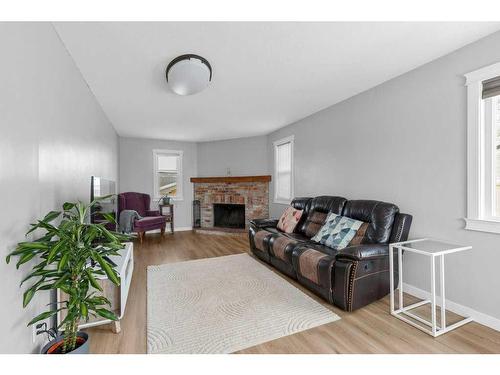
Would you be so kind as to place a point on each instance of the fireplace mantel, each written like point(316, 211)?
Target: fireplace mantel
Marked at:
point(230, 179)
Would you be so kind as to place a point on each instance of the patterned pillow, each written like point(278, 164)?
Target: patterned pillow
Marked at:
point(289, 219)
point(338, 231)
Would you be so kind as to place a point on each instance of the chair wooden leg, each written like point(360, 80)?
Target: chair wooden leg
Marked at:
point(162, 230)
point(141, 236)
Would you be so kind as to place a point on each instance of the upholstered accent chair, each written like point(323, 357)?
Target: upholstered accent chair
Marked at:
point(151, 219)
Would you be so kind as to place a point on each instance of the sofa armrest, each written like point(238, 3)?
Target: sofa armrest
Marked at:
point(400, 228)
point(363, 252)
point(264, 223)
point(153, 213)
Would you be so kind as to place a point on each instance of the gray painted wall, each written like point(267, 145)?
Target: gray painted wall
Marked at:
point(405, 142)
point(243, 156)
point(136, 171)
point(54, 136)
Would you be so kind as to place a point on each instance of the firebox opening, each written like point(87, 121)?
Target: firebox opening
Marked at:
point(229, 215)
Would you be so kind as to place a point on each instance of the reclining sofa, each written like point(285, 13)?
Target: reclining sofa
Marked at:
point(349, 278)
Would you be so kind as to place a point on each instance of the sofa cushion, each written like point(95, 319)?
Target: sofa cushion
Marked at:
point(322, 248)
point(260, 240)
point(289, 219)
point(324, 204)
point(279, 245)
point(314, 265)
point(338, 231)
point(308, 264)
point(379, 215)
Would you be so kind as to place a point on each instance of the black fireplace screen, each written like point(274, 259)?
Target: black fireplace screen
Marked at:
point(229, 215)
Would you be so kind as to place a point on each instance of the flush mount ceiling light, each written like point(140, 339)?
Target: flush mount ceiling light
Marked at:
point(188, 74)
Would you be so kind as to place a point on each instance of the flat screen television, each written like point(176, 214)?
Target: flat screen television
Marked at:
point(101, 187)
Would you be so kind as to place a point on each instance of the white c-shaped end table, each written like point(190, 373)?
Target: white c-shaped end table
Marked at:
point(432, 249)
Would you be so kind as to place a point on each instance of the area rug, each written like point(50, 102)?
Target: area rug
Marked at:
point(222, 305)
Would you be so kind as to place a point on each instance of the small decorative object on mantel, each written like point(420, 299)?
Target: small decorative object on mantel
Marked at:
point(228, 171)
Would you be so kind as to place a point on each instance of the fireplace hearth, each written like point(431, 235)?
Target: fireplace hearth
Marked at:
point(229, 215)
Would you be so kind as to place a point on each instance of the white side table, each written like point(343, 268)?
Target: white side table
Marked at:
point(432, 249)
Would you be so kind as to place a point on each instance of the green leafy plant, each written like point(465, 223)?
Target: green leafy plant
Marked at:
point(71, 256)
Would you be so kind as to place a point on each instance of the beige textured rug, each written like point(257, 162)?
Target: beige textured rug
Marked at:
point(224, 304)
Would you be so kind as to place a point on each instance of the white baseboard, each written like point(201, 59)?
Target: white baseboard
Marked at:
point(167, 230)
point(462, 310)
point(182, 229)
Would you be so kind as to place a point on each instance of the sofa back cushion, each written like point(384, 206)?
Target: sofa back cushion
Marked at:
point(314, 223)
point(314, 217)
point(378, 215)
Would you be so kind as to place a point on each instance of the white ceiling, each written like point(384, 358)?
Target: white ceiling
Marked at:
point(265, 75)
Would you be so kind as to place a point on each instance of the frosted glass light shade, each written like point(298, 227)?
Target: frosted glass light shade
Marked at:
point(188, 74)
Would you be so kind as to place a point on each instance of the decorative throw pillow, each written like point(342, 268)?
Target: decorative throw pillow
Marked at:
point(289, 219)
point(338, 231)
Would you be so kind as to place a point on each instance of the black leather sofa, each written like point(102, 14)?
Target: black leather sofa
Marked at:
point(349, 278)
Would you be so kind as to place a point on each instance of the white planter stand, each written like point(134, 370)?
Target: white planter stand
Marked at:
point(432, 249)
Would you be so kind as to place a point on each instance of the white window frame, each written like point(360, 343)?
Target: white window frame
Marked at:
point(180, 181)
point(290, 139)
point(480, 172)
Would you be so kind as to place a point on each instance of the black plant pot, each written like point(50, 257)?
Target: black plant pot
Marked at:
point(54, 346)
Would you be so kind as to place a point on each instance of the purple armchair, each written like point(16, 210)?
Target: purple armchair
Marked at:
point(139, 202)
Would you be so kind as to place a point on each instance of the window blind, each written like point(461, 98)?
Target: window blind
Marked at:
point(284, 170)
point(491, 87)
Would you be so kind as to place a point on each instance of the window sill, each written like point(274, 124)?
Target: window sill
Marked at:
point(482, 225)
point(282, 201)
point(173, 199)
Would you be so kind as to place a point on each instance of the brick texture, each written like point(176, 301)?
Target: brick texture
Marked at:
point(254, 195)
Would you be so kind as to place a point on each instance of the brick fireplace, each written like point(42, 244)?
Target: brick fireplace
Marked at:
point(250, 191)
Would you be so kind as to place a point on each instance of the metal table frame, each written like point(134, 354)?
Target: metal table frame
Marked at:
point(404, 312)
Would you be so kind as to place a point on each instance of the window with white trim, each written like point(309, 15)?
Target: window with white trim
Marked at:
point(167, 173)
point(283, 170)
point(483, 149)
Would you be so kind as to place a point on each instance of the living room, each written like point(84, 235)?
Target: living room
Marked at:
point(250, 187)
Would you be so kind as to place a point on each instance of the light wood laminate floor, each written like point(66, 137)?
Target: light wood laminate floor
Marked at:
point(368, 330)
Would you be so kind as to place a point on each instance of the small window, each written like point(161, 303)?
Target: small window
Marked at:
point(483, 149)
point(168, 173)
point(283, 170)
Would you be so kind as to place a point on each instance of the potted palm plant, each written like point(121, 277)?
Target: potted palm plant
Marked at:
point(71, 256)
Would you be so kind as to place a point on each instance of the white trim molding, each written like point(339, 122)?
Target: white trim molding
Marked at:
point(176, 229)
point(480, 169)
point(284, 200)
point(462, 310)
point(483, 225)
